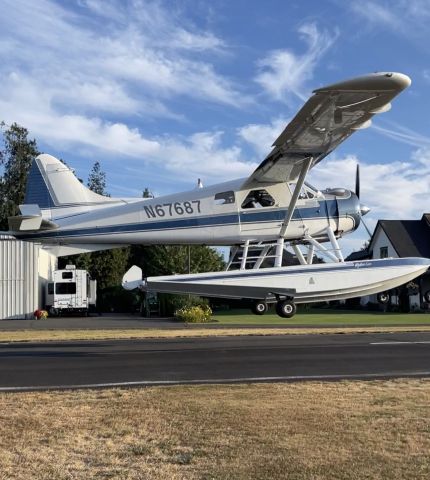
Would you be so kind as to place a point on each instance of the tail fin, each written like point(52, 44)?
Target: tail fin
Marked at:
point(52, 184)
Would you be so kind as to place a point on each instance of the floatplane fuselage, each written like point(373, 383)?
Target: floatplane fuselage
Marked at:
point(222, 214)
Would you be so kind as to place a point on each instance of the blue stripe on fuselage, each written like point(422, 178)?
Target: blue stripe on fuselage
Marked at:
point(258, 216)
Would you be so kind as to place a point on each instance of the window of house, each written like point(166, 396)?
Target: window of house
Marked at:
point(63, 288)
point(258, 199)
point(224, 198)
point(383, 252)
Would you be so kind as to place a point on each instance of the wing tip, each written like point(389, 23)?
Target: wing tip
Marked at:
point(382, 81)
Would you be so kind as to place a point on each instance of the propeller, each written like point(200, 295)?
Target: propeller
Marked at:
point(357, 181)
point(363, 209)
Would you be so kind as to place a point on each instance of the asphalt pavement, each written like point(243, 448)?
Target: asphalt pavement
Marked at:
point(97, 364)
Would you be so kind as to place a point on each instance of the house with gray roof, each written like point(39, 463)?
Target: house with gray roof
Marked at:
point(398, 239)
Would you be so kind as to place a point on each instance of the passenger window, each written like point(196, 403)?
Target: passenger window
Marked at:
point(67, 275)
point(258, 199)
point(223, 198)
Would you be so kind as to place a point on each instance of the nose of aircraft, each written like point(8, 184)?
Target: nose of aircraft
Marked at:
point(352, 208)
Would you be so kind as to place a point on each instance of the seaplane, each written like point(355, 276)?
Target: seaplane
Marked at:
point(272, 210)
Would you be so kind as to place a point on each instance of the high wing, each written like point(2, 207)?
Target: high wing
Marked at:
point(330, 116)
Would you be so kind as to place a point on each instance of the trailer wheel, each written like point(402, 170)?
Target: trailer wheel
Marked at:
point(286, 308)
point(383, 298)
point(427, 296)
point(259, 307)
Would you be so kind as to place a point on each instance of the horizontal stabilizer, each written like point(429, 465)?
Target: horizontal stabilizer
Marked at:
point(25, 222)
point(30, 220)
point(22, 223)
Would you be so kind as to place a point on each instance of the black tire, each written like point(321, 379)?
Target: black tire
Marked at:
point(427, 296)
point(383, 298)
point(286, 308)
point(259, 307)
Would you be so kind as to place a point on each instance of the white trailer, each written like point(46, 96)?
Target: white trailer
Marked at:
point(70, 291)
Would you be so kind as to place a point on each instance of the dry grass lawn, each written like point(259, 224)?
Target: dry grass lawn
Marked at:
point(117, 334)
point(345, 430)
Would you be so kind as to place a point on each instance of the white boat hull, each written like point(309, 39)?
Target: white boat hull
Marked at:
point(303, 283)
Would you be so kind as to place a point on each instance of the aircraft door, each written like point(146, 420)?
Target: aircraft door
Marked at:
point(260, 213)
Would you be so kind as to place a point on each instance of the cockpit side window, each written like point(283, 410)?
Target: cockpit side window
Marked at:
point(258, 199)
point(224, 198)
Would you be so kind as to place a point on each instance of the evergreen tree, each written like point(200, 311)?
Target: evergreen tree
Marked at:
point(16, 157)
point(168, 259)
point(147, 194)
point(97, 180)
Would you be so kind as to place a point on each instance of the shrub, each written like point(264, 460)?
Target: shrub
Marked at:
point(194, 314)
point(170, 303)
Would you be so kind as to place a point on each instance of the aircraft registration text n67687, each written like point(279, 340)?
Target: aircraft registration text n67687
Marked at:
point(170, 209)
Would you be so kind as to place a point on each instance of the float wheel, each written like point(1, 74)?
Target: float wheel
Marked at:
point(286, 308)
point(259, 307)
point(383, 298)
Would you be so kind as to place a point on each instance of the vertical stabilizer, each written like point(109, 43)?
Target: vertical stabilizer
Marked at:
point(52, 184)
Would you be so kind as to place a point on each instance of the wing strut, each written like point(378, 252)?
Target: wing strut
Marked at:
point(292, 206)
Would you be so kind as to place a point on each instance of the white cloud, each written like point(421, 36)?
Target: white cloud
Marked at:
point(261, 137)
point(403, 134)
point(74, 77)
point(376, 13)
point(395, 190)
point(284, 72)
point(406, 17)
point(132, 60)
point(201, 154)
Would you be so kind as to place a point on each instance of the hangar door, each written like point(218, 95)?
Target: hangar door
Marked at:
point(18, 278)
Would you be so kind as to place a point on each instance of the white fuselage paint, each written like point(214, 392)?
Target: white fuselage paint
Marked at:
point(195, 217)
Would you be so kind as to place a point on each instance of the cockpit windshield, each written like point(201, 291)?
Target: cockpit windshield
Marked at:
point(306, 192)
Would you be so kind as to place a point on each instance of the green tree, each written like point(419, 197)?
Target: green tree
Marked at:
point(97, 180)
point(147, 193)
point(16, 157)
point(168, 259)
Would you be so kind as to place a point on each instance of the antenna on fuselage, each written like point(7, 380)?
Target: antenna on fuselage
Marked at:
point(199, 183)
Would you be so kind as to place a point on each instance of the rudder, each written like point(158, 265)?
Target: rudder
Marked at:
point(52, 184)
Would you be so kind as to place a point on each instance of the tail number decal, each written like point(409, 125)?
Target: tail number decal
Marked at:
point(172, 209)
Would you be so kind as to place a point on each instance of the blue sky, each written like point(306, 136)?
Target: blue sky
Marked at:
point(162, 93)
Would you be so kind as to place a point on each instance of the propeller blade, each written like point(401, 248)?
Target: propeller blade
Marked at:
point(366, 227)
point(357, 181)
